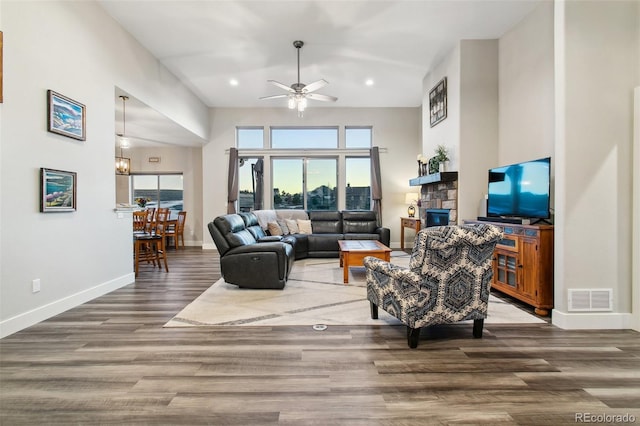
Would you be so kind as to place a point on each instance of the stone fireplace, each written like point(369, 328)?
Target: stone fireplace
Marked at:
point(438, 191)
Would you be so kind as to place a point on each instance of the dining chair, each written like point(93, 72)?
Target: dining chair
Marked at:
point(150, 219)
point(139, 221)
point(176, 231)
point(162, 216)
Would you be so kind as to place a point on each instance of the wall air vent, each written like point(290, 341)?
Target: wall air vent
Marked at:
point(590, 300)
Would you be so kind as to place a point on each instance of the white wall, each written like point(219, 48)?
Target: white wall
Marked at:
point(635, 250)
point(478, 123)
point(597, 48)
point(526, 99)
point(394, 129)
point(447, 131)
point(83, 254)
point(470, 130)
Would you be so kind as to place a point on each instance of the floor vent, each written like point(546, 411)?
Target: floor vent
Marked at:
point(597, 299)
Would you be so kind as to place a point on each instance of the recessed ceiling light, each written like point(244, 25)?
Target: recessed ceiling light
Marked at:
point(369, 82)
point(233, 82)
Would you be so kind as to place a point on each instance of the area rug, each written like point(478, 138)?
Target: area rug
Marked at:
point(314, 294)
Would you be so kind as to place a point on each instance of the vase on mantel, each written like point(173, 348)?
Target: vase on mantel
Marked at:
point(443, 166)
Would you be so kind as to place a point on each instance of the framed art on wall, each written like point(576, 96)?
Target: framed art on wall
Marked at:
point(57, 190)
point(65, 116)
point(438, 102)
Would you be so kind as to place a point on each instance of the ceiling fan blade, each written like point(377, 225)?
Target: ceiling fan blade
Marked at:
point(274, 97)
point(282, 86)
point(312, 87)
point(319, 97)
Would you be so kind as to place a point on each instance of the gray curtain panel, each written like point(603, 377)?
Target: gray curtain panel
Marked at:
point(258, 178)
point(232, 182)
point(376, 183)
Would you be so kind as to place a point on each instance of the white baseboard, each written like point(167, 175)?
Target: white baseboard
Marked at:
point(209, 246)
point(190, 243)
point(34, 316)
point(591, 320)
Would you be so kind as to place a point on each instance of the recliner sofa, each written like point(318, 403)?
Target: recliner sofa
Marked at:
point(330, 226)
point(252, 259)
point(327, 228)
point(248, 257)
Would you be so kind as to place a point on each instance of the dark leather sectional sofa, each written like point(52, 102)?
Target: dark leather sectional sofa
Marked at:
point(252, 259)
point(330, 226)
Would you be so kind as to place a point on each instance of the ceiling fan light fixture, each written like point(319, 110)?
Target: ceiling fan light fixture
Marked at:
point(299, 92)
point(302, 103)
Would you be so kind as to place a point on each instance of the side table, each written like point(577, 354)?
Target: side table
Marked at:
point(408, 222)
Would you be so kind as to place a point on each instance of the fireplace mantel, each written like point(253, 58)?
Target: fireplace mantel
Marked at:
point(434, 178)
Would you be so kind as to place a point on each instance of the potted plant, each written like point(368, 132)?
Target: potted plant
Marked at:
point(442, 155)
point(141, 202)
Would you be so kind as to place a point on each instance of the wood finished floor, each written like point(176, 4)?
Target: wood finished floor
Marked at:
point(110, 361)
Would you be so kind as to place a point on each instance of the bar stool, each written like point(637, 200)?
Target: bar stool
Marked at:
point(145, 247)
point(162, 216)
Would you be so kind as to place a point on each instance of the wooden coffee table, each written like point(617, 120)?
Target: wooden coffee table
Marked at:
point(353, 252)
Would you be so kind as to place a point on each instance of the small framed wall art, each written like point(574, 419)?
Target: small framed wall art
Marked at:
point(65, 116)
point(57, 191)
point(438, 102)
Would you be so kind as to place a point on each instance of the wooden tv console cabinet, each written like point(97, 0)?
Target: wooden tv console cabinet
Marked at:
point(523, 264)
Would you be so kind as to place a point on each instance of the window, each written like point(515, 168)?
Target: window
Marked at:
point(250, 137)
point(306, 167)
point(321, 178)
point(358, 178)
point(357, 137)
point(287, 183)
point(304, 137)
point(246, 184)
point(165, 190)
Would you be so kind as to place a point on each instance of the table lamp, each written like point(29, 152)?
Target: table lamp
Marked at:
point(410, 198)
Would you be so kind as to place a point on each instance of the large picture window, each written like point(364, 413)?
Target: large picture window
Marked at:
point(308, 168)
point(304, 137)
point(321, 179)
point(314, 177)
point(163, 190)
point(287, 178)
point(247, 184)
point(357, 137)
point(250, 137)
point(358, 178)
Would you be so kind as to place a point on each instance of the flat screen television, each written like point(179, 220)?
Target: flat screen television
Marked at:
point(520, 190)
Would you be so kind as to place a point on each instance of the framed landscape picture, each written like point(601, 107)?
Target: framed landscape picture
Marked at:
point(438, 102)
point(65, 116)
point(57, 191)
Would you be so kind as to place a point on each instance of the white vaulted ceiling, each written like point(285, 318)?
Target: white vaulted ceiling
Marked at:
point(395, 43)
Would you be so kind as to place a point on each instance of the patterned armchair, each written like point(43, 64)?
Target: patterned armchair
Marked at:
point(448, 279)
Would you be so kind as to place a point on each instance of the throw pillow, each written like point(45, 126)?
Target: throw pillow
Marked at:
point(304, 226)
point(274, 228)
point(264, 217)
point(284, 227)
point(292, 225)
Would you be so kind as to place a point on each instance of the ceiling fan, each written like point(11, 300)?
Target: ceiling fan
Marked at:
point(298, 93)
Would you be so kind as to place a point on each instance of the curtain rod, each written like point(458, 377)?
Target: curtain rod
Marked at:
point(246, 152)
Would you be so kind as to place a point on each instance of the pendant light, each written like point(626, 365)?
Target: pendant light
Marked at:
point(123, 165)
